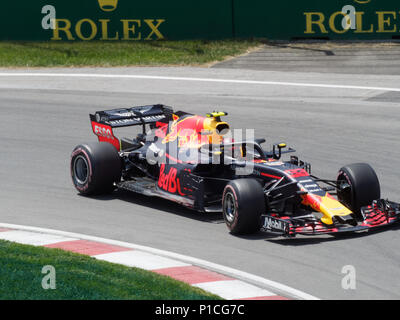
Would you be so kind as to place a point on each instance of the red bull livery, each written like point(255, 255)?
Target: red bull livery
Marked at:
point(195, 161)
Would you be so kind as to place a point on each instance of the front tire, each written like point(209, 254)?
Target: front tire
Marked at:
point(95, 167)
point(243, 202)
point(358, 186)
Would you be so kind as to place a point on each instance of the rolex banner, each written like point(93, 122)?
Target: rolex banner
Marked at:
point(328, 19)
point(110, 20)
point(133, 20)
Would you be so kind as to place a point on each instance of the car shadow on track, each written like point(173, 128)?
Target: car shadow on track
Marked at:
point(312, 240)
point(162, 205)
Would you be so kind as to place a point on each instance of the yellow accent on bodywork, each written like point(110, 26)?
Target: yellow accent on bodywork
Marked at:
point(330, 207)
point(216, 114)
point(211, 124)
point(327, 205)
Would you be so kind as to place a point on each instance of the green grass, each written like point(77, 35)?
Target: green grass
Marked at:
point(82, 277)
point(108, 54)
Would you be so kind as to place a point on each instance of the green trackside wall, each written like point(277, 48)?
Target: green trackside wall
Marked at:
point(130, 20)
point(373, 19)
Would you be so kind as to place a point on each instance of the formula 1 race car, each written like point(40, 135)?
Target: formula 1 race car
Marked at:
point(197, 162)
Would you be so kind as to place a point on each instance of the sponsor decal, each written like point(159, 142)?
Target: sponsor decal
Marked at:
point(168, 181)
point(121, 122)
point(311, 187)
point(273, 224)
point(103, 131)
point(105, 134)
point(352, 18)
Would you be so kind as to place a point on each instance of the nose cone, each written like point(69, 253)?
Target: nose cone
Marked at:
point(332, 210)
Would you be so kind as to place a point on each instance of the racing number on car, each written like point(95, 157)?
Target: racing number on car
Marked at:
point(168, 181)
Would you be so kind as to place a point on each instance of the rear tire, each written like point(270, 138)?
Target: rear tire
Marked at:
point(243, 202)
point(95, 167)
point(364, 186)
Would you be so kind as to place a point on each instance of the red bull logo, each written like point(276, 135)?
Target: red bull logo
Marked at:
point(168, 181)
point(186, 131)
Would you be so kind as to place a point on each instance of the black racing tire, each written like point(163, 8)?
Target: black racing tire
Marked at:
point(364, 186)
point(95, 167)
point(243, 202)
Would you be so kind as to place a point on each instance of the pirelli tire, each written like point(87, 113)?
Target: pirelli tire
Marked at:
point(95, 167)
point(243, 202)
point(362, 186)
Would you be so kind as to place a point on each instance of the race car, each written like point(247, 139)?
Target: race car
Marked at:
point(195, 161)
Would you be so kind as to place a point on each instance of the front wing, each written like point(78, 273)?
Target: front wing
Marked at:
point(379, 214)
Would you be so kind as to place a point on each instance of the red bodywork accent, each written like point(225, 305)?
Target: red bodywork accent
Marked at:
point(311, 228)
point(312, 200)
point(105, 134)
point(376, 217)
point(173, 158)
point(330, 196)
point(297, 173)
point(162, 129)
point(270, 175)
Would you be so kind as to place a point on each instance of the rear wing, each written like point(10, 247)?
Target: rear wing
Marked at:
point(104, 121)
point(133, 116)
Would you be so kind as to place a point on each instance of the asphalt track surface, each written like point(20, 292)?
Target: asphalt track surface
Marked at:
point(331, 119)
point(322, 56)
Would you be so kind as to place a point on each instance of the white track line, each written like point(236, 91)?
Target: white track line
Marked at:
point(240, 275)
point(255, 82)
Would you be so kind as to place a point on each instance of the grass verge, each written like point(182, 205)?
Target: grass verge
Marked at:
point(82, 277)
point(111, 54)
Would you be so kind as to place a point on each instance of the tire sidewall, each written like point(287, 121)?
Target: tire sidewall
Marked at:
point(229, 189)
point(363, 182)
point(81, 151)
point(249, 201)
point(104, 166)
point(344, 174)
